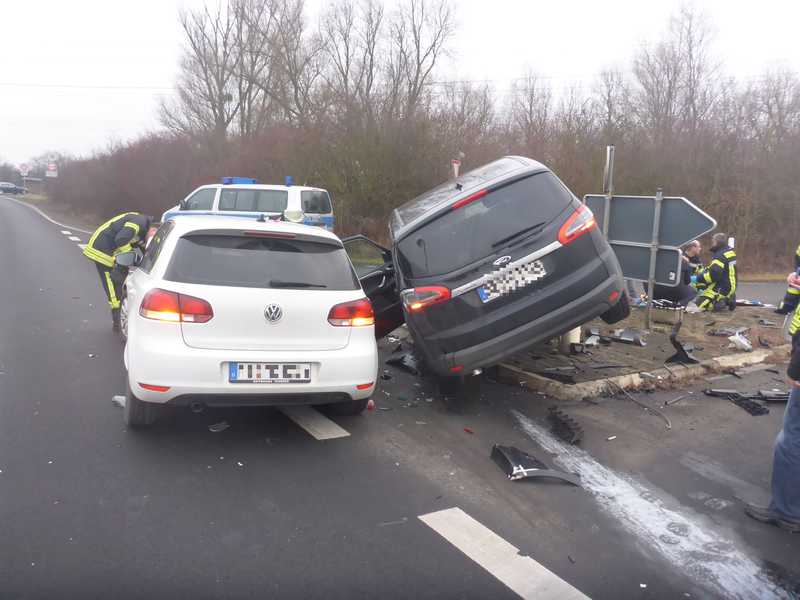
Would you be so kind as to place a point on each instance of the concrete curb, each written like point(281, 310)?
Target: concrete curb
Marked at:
point(507, 373)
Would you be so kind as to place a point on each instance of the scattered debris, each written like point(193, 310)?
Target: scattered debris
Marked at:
point(398, 522)
point(763, 343)
point(468, 430)
point(118, 401)
point(744, 302)
point(420, 422)
point(744, 402)
point(392, 339)
point(655, 411)
point(564, 426)
point(407, 362)
point(520, 465)
point(239, 464)
point(769, 324)
point(774, 371)
point(385, 408)
point(683, 352)
point(93, 356)
point(385, 376)
point(592, 341)
point(773, 395)
point(218, 427)
point(727, 331)
point(611, 438)
point(676, 400)
point(572, 560)
point(371, 404)
point(629, 335)
point(642, 585)
point(740, 342)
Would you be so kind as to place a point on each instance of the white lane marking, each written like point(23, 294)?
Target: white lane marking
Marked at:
point(521, 574)
point(74, 238)
point(81, 246)
point(44, 216)
point(315, 423)
point(65, 232)
point(659, 521)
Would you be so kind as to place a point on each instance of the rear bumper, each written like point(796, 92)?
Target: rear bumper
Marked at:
point(202, 375)
point(552, 324)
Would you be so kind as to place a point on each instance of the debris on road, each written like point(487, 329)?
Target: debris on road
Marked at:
point(655, 411)
point(407, 362)
point(727, 331)
point(745, 402)
point(564, 426)
point(218, 427)
point(611, 438)
point(385, 376)
point(520, 465)
point(629, 335)
point(118, 401)
point(676, 400)
point(740, 342)
point(385, 408)
point(468, 430)
point(93, 356)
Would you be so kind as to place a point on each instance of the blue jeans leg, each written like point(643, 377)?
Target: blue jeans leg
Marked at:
point(786, 463)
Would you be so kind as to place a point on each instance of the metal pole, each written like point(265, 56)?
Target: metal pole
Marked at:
point(608, 187)
point(651, 276)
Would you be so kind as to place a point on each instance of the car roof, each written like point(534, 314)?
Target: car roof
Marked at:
point(207, 222)
point(262, 186)
point(424, 207)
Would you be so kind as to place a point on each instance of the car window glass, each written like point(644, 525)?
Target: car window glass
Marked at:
point(154, 247)
point(257, 262)
point(315, 202)
point(252, 200)
point(462, 236)
point(201, 200)
point(365, 256)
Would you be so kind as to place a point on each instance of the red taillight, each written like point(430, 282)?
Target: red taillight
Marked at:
point(417, 299)
point(270, 234)
point(468, 199)
point(457, 369)
point(364, 386)
point(154, 388)
point(612, 297)
point(352, 314)
point(579, 222)
point(161, 305)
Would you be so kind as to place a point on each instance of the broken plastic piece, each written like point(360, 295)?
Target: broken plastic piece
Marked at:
point(592, 341)
point(520, 465)
point(683, 352)
point(93, 356)
point(118, 401)
point(371, 404)
point(768, 323)
point(564, 426)
point(407, 362)
point(468, 430)
point(629, 335)
point(740, 342)
point(218, 427)
point(611, 438)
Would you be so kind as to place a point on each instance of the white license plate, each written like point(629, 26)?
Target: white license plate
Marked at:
point(269, 372)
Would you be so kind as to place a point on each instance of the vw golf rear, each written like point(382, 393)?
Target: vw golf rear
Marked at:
point(498, 260)
point(231, 312)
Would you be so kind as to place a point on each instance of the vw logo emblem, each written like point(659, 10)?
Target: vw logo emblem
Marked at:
point(501, 261)
point(273, 313)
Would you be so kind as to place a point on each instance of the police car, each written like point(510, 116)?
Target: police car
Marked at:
point(246, 197)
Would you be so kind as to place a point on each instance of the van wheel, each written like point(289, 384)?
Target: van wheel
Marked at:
point(621, 310)
point(137, 413)
point(350, 408)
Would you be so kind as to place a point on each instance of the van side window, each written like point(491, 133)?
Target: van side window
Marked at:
point(315, 202)
point(200, 200)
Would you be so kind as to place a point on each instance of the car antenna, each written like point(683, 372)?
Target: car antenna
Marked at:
point(459, 186)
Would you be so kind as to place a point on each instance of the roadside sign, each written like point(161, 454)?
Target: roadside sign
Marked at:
point(456, 164)
point(52, 170)
point(24, 170)
point(630, 227)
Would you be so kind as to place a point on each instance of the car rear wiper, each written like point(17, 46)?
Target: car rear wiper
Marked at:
point(519, 233)
point(278, 283)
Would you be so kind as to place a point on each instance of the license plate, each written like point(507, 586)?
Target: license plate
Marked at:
point(269, 372)
point(511, 279)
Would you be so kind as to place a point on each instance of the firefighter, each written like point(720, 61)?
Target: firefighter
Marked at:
point(717, 282)
point(120, 234)
point(789, 302)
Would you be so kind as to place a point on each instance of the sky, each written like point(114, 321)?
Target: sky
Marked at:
point(78, 76)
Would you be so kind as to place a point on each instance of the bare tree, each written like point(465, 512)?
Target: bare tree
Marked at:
point(531, 107)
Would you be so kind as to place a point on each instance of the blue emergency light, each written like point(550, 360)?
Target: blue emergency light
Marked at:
point(289, 181)
point(238, 180)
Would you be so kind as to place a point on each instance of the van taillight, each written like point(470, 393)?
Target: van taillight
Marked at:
point(352, 314)
point(161, 305)
point(579, 222)
point(417, 299)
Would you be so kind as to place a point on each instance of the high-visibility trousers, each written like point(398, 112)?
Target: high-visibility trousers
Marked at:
point(111, 282)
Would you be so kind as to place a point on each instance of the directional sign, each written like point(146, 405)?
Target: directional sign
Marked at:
point(24, 169)
point(631, 219)
point(52, 170)
point(630, 231)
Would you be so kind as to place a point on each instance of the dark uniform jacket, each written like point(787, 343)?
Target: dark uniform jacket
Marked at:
point(116, 236)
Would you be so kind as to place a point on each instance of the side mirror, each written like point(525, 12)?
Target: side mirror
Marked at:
point(128, 259)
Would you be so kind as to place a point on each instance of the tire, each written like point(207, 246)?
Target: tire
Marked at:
point(351, 408)
point(621, 310)
point(136, 413)
point(123, 316)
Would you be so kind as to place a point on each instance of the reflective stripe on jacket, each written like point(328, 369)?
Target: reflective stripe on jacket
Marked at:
point(115, 236)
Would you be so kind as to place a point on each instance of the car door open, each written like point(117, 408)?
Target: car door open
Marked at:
point(375, 271)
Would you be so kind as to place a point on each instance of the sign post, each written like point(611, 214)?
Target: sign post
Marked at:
point(651, 275)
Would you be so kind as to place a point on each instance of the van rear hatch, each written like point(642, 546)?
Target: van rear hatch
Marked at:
point(241, 274)
point(503, 255)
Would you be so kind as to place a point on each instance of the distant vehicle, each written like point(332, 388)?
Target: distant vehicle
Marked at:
point(491, 263)
point(11, 188)
point(234, 312)
point(245, 197)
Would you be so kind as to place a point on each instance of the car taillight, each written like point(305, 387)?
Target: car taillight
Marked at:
point(468, 199)
point(161, 305)
point(357, 313)
point(579, 222)
point(417, 299)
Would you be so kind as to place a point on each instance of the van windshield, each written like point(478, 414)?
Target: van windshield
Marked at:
point(467, 234)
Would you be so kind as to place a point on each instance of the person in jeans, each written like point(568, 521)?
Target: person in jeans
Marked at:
point(784, 509)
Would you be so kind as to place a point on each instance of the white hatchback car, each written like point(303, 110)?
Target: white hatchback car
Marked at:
point(236, 312)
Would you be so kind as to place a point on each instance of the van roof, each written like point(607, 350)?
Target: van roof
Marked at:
point(424, 207)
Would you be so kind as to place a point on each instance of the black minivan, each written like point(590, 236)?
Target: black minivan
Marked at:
point(488, 264)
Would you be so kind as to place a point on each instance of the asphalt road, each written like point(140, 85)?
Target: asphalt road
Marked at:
point(262, 509)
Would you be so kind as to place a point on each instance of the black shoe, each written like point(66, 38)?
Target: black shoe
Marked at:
point(765, 515)
point(115, 319)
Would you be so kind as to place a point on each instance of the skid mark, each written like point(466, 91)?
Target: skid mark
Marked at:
point(680, 537)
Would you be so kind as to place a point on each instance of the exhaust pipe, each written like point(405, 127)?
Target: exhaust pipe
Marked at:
point(197, 407)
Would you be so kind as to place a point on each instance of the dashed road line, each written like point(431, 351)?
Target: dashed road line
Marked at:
point(521, 574)
point(74, 238)
point(315, 423)
point(81, 246)
point(65, 232)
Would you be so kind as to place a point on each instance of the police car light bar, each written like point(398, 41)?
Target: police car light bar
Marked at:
point(238, 180)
